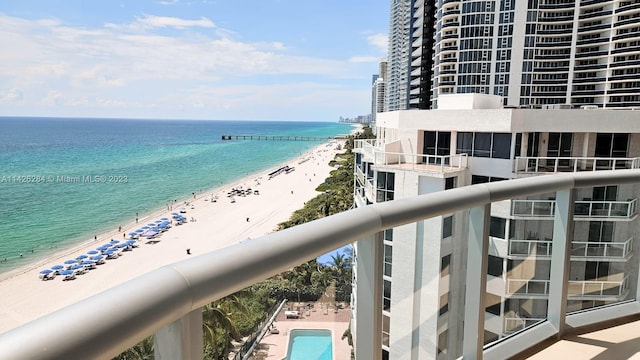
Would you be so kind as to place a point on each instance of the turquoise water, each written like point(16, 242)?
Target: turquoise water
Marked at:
point(310, 345)
point(64, 180)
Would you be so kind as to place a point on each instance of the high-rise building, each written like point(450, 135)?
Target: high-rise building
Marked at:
point(397, 75)
point(472, 139)
point(421, 55)
point(378, 91)
point(539, 53)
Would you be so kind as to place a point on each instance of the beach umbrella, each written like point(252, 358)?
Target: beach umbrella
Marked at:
point(151, 224)
point(104, 247)
point(80, 257)
point(70, 261)
point(66, 272)
point(133, 233)
point(93, 252)
point(140, 230)
point(123, 245)
point(97, 257)
point(175, 214)
point(77, 266)
point(87, 262)
point(57, 267)
point(114, 241)
point(164, 219)
point(46, 271)
point(159, 221)
point(130, 242)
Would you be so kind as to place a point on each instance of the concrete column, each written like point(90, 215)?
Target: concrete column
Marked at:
point(180, 340)
point(476, 285)
point(367, 339)
point(560, 260)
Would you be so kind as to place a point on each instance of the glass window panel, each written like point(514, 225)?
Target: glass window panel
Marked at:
point(482, 145)
point(501, 146)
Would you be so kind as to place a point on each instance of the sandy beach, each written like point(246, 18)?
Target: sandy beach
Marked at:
point(210, 226)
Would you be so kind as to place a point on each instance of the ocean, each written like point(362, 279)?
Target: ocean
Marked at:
point(62, 180)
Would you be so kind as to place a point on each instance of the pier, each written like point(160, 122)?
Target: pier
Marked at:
point(282, 137)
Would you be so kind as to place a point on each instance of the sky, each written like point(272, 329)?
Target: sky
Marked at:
point(200, 59)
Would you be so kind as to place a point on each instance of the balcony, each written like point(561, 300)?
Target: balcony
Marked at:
point(168, 301)
point(544, 165)
point(580, 250)
point(583, 209)
point(577, 290)
point(435, 164)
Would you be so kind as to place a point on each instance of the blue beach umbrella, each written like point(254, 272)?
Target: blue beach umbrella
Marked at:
point(151, 224)
point(114, 241)
point(140, 230)
point(159, 221)
point(77, 266)
point(164, 219)
point(46, 271)
point(57, 267)
point(70, 261)
point(130, 242)
point(66, 272)
point(133, 233)
point(93, 252)
point(104, 247)
point(97, 257)
point(80, 257)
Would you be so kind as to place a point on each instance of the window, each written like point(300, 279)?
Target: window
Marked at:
point(449, 183)
point(497, 227)
point(386, 296)
point(388, 255)
point(482, 145)
point(495, 266)
point(388, 235)
point(445, 263)
point(447, 227)
point(385, 331)
point(465, 143)
point(501, 146)
point(385, 186)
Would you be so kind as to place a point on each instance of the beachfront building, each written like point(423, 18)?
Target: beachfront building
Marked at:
point(396, 77)
point(473, 139)
point(421, 53)
point(378, 90)
point(539, 53)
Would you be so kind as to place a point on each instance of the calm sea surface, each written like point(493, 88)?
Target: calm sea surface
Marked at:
point(64, 180)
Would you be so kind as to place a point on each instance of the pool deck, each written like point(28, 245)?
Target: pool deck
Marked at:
point(274, 346)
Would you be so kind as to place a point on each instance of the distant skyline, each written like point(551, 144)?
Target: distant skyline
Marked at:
point(207, 59)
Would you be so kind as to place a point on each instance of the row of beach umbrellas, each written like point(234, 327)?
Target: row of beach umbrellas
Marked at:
point(83, 262)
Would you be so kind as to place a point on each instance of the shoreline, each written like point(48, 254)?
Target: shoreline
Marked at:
point(75, 246)
point(214, 225)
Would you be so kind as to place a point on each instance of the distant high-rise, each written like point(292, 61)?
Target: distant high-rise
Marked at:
point(378, 90)
point(397, 75)
point(421, 56)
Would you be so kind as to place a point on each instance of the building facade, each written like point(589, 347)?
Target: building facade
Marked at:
point(397, 74)
point(472, 139)
point(539, 53)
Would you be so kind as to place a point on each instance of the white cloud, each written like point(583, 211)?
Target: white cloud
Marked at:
point(380, 41)
point(12, 96)
point(165, 21)
point(139, 68)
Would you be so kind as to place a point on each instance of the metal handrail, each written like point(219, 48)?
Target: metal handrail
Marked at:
point(104, 325)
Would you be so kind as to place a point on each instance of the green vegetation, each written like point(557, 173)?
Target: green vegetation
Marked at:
point(237, 315)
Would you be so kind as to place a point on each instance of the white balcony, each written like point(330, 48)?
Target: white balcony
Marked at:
point(529, 248)
point(601, 251)
point(583, 209)
point(577, 290)
point(545, 165)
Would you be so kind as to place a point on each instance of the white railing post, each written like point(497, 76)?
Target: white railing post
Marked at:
point(180, 340)
point(560, 259)
point(477, 259)
point(368, 333)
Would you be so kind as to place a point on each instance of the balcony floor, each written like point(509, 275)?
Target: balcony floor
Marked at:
point(619, 339)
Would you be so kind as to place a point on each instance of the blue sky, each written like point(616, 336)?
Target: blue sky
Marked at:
point(200, 59)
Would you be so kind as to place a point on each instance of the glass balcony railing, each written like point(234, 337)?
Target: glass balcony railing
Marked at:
point(168, 301)
point(440, 164)
point(582, 209)
point(577, 289)
point(536, 165)
point(601, 250)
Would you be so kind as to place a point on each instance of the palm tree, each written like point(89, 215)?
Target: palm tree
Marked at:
point(218, 324)
point(141, 351)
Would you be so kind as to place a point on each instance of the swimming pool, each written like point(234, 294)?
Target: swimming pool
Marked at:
point(307, 344)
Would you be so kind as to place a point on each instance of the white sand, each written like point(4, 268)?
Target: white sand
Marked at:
point(218, 224)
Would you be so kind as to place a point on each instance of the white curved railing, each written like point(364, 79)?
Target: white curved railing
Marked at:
point(106, 324)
